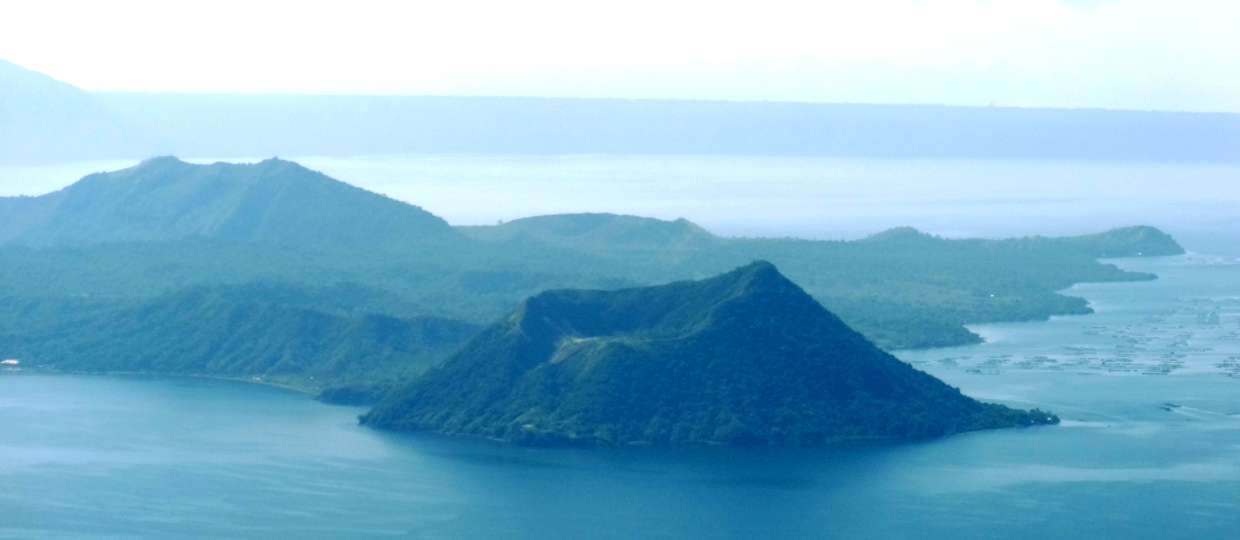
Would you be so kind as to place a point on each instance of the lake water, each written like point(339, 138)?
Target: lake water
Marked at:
point(1147, 386)
point(1149, 447)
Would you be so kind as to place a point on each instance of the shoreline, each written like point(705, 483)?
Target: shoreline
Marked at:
point(41, 370)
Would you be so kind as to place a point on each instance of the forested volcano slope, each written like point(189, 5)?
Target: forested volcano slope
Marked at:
point(328, 341)
point(742, 358)
point(123, 240)
point(901, 288)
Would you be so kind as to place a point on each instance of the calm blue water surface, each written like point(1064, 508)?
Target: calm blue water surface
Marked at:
point(1147, 387)
point(1149, 448)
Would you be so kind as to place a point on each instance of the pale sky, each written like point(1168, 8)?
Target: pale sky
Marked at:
point(1125, 54)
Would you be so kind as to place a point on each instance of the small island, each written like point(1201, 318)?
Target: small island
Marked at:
point(743, 358)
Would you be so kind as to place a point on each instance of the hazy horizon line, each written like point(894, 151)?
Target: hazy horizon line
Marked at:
point(653, 99)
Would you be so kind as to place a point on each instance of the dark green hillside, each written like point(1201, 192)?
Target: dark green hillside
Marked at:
point(1123, 242)
point(153, 269)
point(900, 293)
point(306, 338)
point(451, 280)
point(133, 235)
point(906, 289)
point(166, 199)
point(901, 288)
point(598, 232)
point(743, 358)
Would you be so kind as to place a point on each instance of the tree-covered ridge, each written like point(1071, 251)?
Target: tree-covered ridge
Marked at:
point(601, 232)
point(901, 288)
point(164, 226)
point(906, 289)
point(743, 358)
point(165, 199)
point(320, 340)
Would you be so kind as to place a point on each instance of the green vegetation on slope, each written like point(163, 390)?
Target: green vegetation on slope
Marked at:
point(900, 292)
point(166, 199)
point(743, 358)
point(901, 288)
point(74, 262)
point(312, 339)
point(598, 232)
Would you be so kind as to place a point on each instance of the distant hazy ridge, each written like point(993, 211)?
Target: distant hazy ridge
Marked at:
point(301, 125)
point(43, 120)
point(167, 199)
